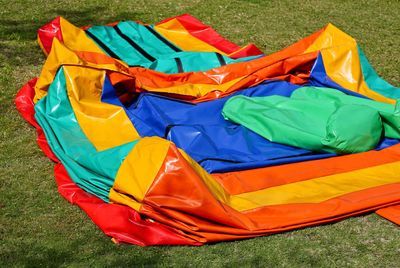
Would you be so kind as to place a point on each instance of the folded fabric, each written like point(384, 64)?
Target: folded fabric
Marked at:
point(141, 45)
point(149, 157)
point(318, 119)
point(390, 114)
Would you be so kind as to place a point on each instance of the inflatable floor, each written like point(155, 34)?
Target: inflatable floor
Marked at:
point(169, 134)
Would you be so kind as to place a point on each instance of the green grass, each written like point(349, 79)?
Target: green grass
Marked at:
point(39, 228)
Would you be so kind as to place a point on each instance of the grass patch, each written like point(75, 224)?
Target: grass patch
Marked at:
point(39, 228)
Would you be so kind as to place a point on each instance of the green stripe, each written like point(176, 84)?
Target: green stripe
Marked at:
point(165, 56)
point(118, 45)
point(146, 39)
point(92, 170)
point(374, 81)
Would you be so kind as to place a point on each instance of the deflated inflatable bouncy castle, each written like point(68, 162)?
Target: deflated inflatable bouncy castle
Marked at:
point(168, 133)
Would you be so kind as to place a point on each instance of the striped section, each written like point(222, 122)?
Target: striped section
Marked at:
point(174, 31)
point(165, 41)
point(132, 183)
point(103, 45)
point(268, 66)
point(207, 212)
point(342, 62)
point(253, 180)
point(105, 125)
point(66, 138)
point(133, 44)
point(319, 189)
point(288, 216)
point(140, 45)
point(313, 190)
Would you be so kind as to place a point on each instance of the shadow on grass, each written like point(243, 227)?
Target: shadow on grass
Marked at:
point(39, 255)
point(19, 28)
point(18, 34)
point(29, 255)
point(15, 54)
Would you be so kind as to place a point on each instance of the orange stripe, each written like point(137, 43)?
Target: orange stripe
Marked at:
point(248, 73)
point(291, 215)
point(390, 213)
point(252, 73)
point(256, 179)
point(196, 213)
point(287, 58)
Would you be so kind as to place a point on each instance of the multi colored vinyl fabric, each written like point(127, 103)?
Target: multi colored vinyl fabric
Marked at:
point(132, 115)
point(141, 45)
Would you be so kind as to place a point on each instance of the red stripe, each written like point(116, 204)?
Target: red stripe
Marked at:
point(210, 36)
point(48, 32)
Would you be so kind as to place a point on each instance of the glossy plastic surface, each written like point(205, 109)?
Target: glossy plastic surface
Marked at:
point(86, 102)
point(318, 119)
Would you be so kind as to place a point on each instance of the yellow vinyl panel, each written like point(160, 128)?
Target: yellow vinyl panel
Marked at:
point(138, 171)
point(62, 55)
point(310, 191)
point(342, 63)
point(105, 125)
point(213, 185)
point(318, 189)
point(195, 90)
point(175, 32)
point(76, 39)
point(131, 183)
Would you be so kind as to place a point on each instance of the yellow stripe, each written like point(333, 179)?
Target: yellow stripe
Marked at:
point(342, 62)
point(132, 183)
point(195, 90)
point(138, 171)
point(319, 189)
point(216, 188)
point(105, 125)
point(330, 37)
point(175, 32)
point(343, 66)
point(61, 55)
point(76, 39)
point(240, 49)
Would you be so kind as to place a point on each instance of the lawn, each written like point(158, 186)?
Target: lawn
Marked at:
point(39, 228)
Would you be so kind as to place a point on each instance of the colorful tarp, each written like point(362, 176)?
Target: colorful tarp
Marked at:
point(149, 157)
